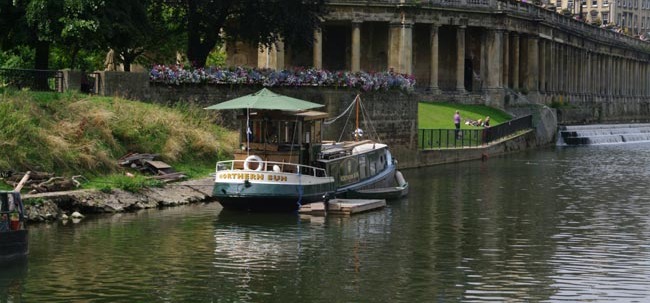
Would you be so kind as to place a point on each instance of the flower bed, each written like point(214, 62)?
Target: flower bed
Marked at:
point(297, 77)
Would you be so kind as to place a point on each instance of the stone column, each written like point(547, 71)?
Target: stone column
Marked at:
point(565, 67)
point(552, 66)
point(506, 60)
point(394, 31)
point(494, 64)
point(515, 61)
point(355, 61)
point(433, 42)
point(279, 54)
point(406, 48)
point(318, 49)
point(532, 72)
point(617, 78)
point(460, 59)
point(542, 65)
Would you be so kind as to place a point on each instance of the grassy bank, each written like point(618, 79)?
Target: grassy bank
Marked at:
point(440, 115)
point(76, 134)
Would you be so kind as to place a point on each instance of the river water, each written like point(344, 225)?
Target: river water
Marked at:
point(553, 225)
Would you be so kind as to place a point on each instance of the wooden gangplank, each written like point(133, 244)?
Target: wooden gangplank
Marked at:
point(343, 207)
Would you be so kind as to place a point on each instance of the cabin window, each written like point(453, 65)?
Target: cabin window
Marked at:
point(373, 168)
point(334, 171)
point(287, 136)
point(271, 129)
point(349, 172)
point(316, 131)
point(362, 167)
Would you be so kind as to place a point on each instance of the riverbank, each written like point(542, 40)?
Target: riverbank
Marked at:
point(53, 206)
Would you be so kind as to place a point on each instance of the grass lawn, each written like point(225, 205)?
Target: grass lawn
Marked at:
point(441, 115)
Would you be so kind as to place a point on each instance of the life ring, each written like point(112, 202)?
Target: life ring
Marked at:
point(252, 158)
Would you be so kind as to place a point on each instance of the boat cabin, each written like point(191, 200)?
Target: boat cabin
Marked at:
point(351, 162)
point(281, 136)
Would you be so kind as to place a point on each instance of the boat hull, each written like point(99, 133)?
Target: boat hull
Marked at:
point(13, 245)
point(269, 191)
point(388, 193)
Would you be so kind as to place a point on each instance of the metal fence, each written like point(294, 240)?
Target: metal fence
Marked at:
point(38, 80)
point(452, 138)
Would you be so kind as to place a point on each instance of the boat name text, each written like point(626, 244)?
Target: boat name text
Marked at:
point(252, 176)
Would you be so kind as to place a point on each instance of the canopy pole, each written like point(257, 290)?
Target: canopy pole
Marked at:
point(248, 130)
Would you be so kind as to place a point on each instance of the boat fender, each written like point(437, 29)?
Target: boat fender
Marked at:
point(250, 159)
point(400, 178)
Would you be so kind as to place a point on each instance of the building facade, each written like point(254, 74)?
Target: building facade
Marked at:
point(632, 15)
point(478, 51)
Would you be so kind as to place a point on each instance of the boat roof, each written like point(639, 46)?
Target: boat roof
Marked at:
point(336, 150)
point(279, 115)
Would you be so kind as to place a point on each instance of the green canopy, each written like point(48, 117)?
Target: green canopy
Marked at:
point(266, 99)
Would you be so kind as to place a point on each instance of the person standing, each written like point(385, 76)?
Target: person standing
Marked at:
point(457, 124)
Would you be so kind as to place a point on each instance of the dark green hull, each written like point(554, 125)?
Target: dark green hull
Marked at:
point(13, 245)
point(268, 197)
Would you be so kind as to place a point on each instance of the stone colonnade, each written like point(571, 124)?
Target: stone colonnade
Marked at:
point(472, 55)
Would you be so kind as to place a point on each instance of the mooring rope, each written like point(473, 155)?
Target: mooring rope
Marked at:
point(328, 122)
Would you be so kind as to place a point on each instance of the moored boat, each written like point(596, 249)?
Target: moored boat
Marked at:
point(284, 162)
point(388, 193)
point(13, 235)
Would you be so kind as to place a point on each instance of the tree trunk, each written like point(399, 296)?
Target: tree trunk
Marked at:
point(42, 58)
point(198, 46)
point(41, 61)
point(197, 53)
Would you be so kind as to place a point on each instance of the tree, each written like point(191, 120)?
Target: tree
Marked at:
point(80, 24)
point(43, 22)
point(261, 22)
point(125, 28)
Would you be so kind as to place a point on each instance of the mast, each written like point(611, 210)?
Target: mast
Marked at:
point(356, 130)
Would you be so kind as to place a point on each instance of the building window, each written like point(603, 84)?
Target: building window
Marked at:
point(594, 3)
point(605, 18)
point(605, 2)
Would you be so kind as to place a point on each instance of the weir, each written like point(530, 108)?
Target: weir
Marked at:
point(603, 134)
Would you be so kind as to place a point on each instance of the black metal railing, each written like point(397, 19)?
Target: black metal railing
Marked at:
point(90, 83)
point(34, 79)
point(452, 138)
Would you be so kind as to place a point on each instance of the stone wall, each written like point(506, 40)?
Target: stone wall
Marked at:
point(392, 114)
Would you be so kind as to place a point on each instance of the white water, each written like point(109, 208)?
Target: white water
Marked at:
point(604, 134)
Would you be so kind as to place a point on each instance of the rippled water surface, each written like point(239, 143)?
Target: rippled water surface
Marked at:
point(558, 225)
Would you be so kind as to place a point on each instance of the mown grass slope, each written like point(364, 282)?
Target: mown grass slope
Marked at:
point(72, 133)
point(441, 115)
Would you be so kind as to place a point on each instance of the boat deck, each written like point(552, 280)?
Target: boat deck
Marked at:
point(344, 207)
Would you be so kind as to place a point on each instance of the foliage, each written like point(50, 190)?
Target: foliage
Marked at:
point(440, 115)
point(297, 77)
point(131, 184)
point(18, 57)
point(217, 57)
point(208, 23)
point(33, 201)
point(72, 133)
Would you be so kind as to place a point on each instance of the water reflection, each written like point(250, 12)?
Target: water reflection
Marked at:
point(12, 280)
point(557, 225)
